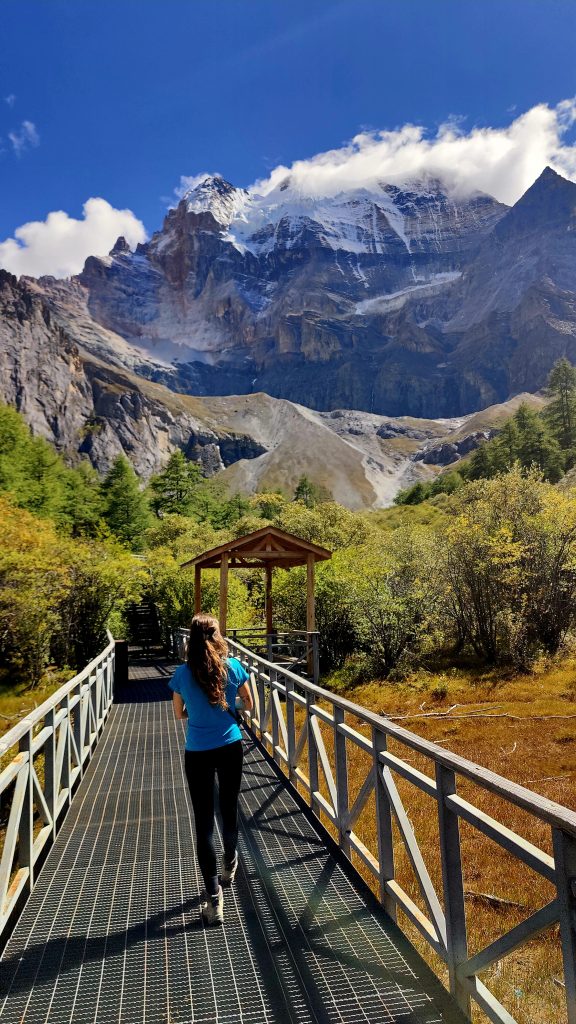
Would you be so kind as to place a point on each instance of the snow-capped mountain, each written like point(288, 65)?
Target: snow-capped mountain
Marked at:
point(395, 300)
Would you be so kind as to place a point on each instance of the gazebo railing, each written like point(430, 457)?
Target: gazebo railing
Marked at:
point(290, 717)
point(297, 649)
point(42, 757)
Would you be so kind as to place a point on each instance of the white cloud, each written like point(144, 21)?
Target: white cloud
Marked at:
point(501, 161)
point(10, 100)
point(60, 244)
point(26, 137)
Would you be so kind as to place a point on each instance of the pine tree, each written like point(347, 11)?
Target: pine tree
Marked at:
point(505, 449)
point(126, 508)
point(305, 492)
point(537, 447)
point(173, 489)
point(82, 507)
point(311, 494)
point(560, 414)
point(481, 462)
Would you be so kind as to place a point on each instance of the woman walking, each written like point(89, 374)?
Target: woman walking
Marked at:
point(204, 691)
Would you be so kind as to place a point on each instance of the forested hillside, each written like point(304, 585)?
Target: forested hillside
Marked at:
point(488, 574)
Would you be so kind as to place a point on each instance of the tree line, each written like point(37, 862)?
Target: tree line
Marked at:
point(492, 576)
point(543, 440)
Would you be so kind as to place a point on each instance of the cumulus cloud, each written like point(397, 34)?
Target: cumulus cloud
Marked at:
point(25, 137)
point(60, 244)
point(501, 161)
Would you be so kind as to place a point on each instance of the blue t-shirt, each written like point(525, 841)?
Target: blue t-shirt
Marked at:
point(209, 725)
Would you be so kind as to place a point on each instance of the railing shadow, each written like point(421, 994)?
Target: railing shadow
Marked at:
point(311, 938)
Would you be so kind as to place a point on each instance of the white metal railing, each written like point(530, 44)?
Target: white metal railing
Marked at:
point(286, 733)
point(42, 758)
point(296, 649)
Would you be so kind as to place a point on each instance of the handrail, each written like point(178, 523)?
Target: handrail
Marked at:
point(281, 698)
point(545, 809)
point(63, 731)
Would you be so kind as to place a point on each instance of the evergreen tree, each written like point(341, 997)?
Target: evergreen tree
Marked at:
point(481, 463)
point(309, 493)
point(126, 509)
point(173, 489)
point(560, 414)
point(505, 449)
point(537, 447)
point(83, 499)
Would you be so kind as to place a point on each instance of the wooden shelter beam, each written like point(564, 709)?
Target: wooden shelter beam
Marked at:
point(268, 600)
point(310, 607)
point(223, 592)
point(197, 589)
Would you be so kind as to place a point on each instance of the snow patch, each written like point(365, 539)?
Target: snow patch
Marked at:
point(395, 300)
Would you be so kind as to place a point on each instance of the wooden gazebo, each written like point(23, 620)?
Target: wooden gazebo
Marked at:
point(267, 548)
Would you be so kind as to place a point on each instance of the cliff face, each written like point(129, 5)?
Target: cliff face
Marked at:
point(89, 408)
point(86, 407)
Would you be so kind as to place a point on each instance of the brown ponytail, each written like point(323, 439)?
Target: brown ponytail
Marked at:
point(206, 658)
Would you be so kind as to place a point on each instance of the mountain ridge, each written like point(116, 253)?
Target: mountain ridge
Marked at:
point(91, 409)
point(396, 300)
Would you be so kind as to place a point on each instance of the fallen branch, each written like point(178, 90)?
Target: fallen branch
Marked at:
point(497, 901)
point(549, 778)
point(476, 714)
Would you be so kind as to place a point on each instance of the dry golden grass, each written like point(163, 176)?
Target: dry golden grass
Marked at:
point(532, 748)
point(18, 699)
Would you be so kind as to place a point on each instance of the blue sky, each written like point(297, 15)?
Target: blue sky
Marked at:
point(119, 98)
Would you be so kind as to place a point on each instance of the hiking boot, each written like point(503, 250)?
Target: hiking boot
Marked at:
point(212, 908)
point(229, 871)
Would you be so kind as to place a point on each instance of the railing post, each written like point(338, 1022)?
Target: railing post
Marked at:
point(312, 749)
point(26, 828)
point(341, 764)
point(273, 715)
point(453, 886)
point(315, 658)
point(80, 722)
point(50, 781)
point(93, 681)
point(67, 757)
point(383, 824)
point(565, 861)
point(261, 701)
point(291, 733)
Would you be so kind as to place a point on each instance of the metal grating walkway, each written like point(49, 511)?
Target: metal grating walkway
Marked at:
point(112, 929)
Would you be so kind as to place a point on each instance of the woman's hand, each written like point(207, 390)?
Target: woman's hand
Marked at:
point(179, 706)
point(245, 693)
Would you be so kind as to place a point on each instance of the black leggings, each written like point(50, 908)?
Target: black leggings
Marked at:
point(201, 767)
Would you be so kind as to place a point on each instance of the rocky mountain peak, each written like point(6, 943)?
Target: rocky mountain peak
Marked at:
point(549, 203)
point(213, 194)
point(120, 247)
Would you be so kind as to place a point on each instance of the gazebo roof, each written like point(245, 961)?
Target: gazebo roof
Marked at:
point(266, 547)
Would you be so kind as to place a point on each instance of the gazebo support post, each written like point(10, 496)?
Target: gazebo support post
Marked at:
point(310, 615)
point(223, 592)
point(268, 606)
point(197, 589)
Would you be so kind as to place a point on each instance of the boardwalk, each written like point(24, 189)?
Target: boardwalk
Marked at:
point(111, 932)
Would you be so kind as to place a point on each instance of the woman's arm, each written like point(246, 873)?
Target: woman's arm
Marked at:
point(245, 692)
point(179, 708)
